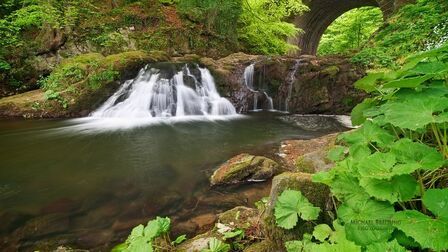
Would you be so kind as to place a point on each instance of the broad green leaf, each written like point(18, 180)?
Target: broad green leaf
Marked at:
point(157, 227)
point(442, 118)
point(407, 151)
point(357, 114)
point(399, 188)
point(428, 232)
point(140, 244)
point(391, 246)
point(346, 187)
point(369, 133)
point(404, 240)
point(322, 232)
point(368, 83)
point(367, 221)
point(416, 113)
point(120, 247)
point(407, 82)
point(435, 67)
point(323, 177)
point(233, 234)
point(179, 240)
point(136, 232)
point(295, 246)
point(216, 245)
point(436, 200)
point(292, 204)
point(336, 153)
point(378, 165)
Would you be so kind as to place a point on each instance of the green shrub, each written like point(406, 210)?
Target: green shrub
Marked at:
point(391, 174)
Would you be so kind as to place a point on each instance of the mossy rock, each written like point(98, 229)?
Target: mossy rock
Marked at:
point(196, 244)
point(313, 162)
point(331, 71)
point(244, 167)
point(239, 217)
point(317, 194)
point(263, 246)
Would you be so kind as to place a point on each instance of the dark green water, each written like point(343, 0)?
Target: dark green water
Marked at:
point(74, 182)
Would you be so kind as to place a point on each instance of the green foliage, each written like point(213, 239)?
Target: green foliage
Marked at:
point(328, 240)
point(350, 31)
point(291, 205)
point(142, 237)
point(217, 17)
point(179, 240)
point(216, 245)
point(391, 173)
point(263, 28)
point(416, 27)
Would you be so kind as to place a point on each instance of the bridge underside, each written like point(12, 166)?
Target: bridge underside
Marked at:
point(322, 13)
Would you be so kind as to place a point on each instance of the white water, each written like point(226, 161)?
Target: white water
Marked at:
point(290, 80)
point(249, 82)
point(150, 95)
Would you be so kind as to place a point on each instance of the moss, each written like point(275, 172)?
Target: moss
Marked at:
point(79, 84)
point(317, 194)
point(263, 246)
point(303, 165)
point(332, 71)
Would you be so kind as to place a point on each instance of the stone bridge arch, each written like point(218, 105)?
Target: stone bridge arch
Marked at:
point(323, 12)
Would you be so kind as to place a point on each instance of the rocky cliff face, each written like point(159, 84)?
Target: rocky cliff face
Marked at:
point(306, 85)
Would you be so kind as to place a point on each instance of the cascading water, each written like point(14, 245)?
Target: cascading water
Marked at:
point(290, 81)
point(153, 94)
point(249, 82)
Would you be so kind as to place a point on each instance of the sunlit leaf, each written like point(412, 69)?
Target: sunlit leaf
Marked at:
point(391, 246)
point(407, 151)
point(436, 200)
point(428, 232)
point(399, 188)
point(367, 221)
point(291, 205)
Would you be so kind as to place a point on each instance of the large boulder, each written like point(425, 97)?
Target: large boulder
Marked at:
point(308, 156)
point(317, 194)
point(243, 168)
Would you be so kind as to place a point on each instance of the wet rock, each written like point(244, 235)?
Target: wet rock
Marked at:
point(63, 205)
point(94, 238)
point(128, 224)
point(318, 122)
point(263, 246)
point(196, 244)
point(317, 194)
point(185, 227)
point(9, 221)
point(43, 225)
point(307, 155)
point(204, 221)
point(103, 216)
point(240, 217)
point(244, 167)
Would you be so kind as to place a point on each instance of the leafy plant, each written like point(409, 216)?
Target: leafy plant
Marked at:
point(142, 237)
point(291, 205)
point(263, 28)
point(216, 245)
point(391, 174)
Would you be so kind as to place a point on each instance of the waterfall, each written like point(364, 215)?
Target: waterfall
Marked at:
point(290, 79)
point(249, 82)
point(154, 94)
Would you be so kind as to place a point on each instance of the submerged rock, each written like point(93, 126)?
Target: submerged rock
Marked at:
point(317, 194)
point(244, 167)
